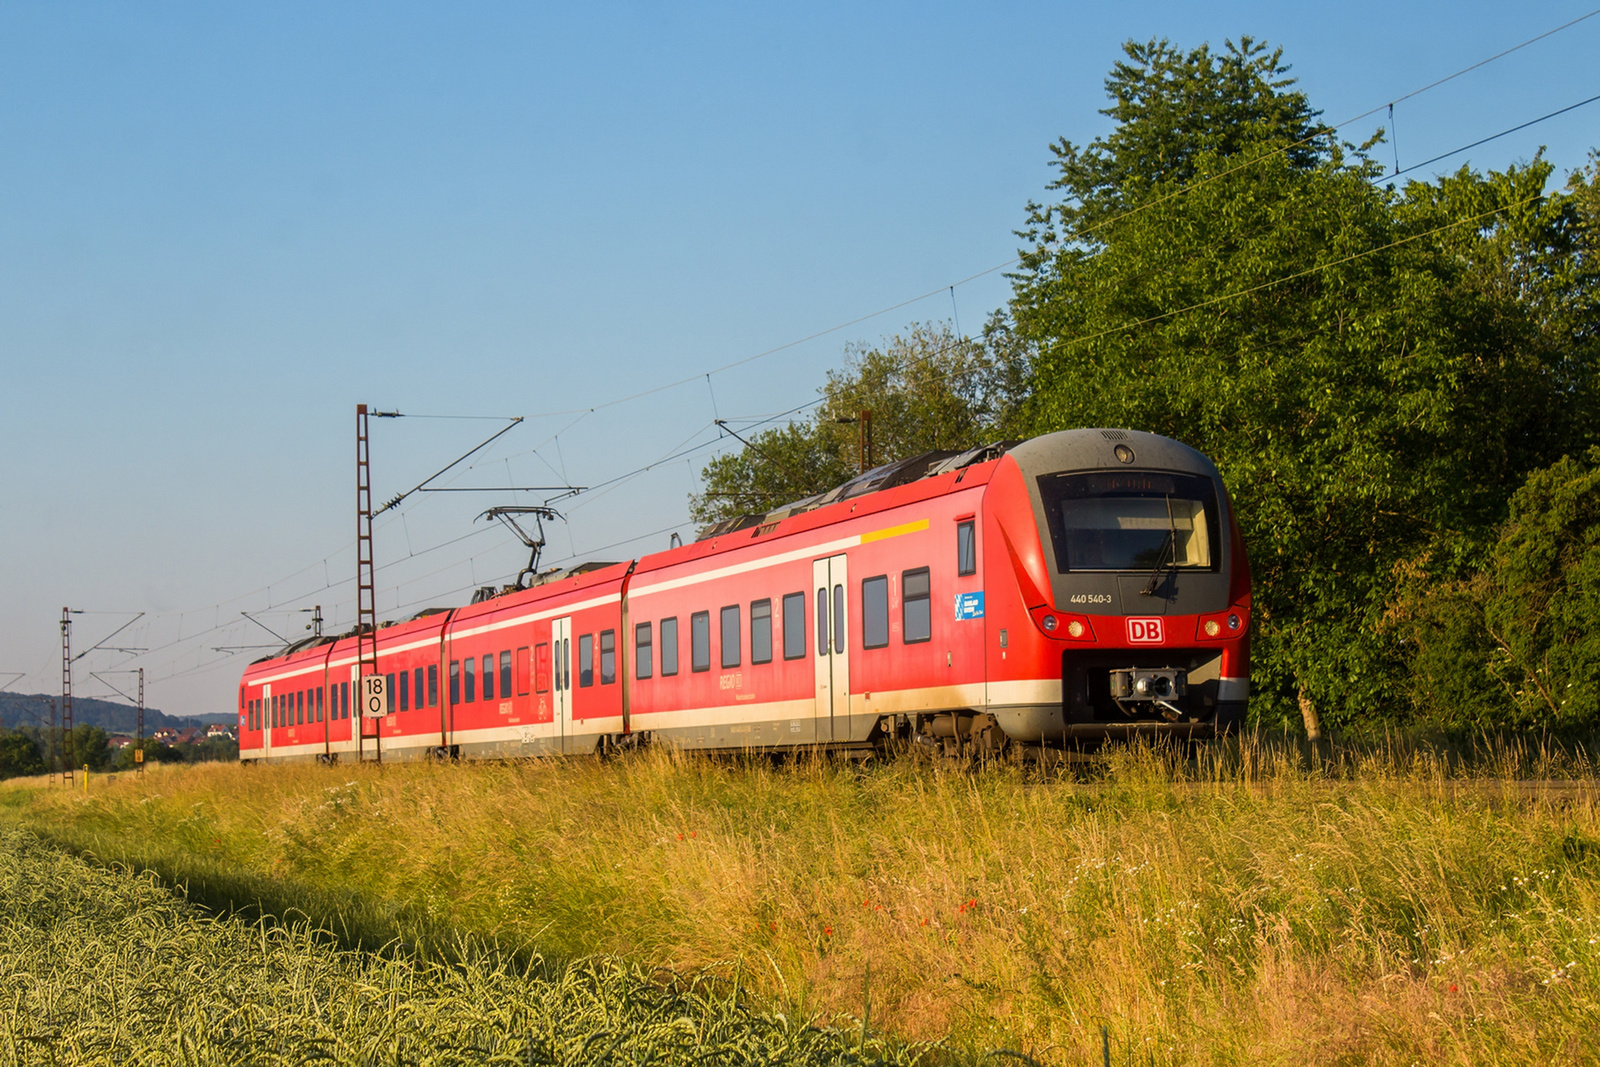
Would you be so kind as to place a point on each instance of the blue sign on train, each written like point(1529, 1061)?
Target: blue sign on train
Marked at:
point(969, 605)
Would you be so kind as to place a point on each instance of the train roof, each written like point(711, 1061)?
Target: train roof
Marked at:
point(888, 476)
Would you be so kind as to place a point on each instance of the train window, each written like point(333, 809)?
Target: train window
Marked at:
point(389, 683)
point(608, 656)
point(966, 548)
point(433, 685)
point(318, 691)
point(586, 659)
point(669, 647)
point(794, 625)
point(761, 631)
point(730, 636)
point(404, 692)
point(541, 668)
point(302, 707)
point(875, 612)
point(822, 622)
point(523, 660)
point(505, 675)
point(344, 700)
point(916, 607)
point(642, 651)
point(564, 664)
point(417, 690)
point(455, 681)
point(838, 619)
point(1132, 521)
point(469, 680)
point(272, 712)
point(700, 641)
point(487, 680)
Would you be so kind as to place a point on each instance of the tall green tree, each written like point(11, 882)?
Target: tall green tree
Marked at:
point(927, 389)
point(1369, 367)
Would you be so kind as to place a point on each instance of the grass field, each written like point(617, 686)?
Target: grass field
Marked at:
point(1249, 906)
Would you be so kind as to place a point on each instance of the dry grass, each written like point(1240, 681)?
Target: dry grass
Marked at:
point(1375, 905)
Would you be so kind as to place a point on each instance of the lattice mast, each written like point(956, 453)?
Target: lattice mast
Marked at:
point(138, 730)
point(366, 582)
point(64, 746)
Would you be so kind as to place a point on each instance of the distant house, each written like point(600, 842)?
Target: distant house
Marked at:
point(119, 742)
point(189, 735)
point(218, 729)
point(166, 735)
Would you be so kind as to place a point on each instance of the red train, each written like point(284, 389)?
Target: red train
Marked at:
point(1074, 587)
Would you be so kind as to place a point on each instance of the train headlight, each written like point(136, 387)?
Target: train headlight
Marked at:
point(1233, 621)
point(1049, 623)
point(1075, 628)
point(1213, 627)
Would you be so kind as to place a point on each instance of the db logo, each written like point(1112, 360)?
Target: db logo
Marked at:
point(1144, 631)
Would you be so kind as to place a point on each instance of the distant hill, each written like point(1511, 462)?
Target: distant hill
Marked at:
point(33, 709)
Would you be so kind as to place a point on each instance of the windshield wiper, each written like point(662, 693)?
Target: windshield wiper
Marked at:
point(1169, 550)
point(1167, 544)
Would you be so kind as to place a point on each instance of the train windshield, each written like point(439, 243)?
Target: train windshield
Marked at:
point(1131, 521)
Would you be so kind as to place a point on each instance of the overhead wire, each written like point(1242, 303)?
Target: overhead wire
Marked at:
point(1491, 137)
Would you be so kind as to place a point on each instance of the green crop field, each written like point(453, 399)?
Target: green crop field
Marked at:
point(1254, 904)
point(102, 966)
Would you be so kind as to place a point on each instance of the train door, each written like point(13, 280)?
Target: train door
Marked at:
point(268, 720)
point(833, 648)
point(561, 656)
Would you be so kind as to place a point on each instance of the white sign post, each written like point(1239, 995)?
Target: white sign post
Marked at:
point(374, 696)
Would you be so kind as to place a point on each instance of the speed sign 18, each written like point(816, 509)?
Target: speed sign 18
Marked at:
point(374, 696)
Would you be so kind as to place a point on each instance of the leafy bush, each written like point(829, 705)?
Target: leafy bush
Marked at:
point(1517, 642)
point(19, 755)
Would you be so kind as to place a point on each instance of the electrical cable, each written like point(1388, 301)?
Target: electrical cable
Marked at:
point(1491, 137)
point(1291, 277)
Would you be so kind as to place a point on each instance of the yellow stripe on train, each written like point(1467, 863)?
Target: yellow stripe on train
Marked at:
point(895, 531)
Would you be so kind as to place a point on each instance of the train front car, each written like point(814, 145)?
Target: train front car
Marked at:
point(1130, 609)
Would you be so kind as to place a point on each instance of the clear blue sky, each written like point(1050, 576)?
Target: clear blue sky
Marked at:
point(223, 225)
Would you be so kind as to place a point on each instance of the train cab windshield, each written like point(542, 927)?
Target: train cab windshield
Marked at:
point(1131, 521)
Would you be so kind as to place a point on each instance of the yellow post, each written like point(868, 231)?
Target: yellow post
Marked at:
point(86, 779)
